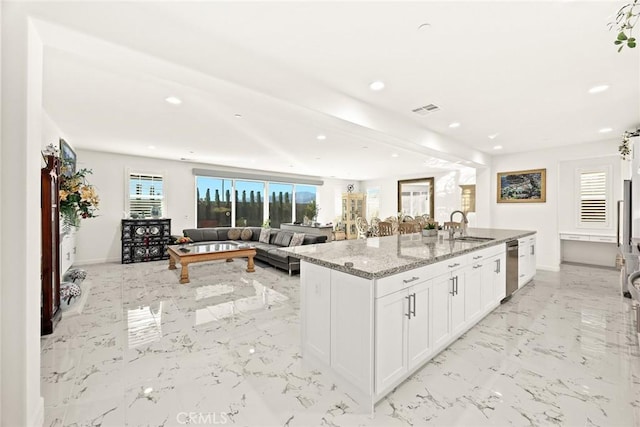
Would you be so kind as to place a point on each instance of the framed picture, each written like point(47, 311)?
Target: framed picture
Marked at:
point(528, 186)
point(67, 158)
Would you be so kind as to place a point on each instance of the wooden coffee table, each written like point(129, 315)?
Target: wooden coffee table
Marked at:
point(208, 251)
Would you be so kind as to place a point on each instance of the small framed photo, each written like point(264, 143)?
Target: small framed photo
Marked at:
point(529, 186)
point(67, 158)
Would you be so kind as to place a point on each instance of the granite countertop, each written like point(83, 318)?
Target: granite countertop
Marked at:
point(377, 257)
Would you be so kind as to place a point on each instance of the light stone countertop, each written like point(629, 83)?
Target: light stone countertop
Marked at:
point(377, 257)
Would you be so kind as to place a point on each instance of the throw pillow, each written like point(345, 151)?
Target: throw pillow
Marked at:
point(297, 239)
point(246, 234)
point(265, 234)
point(234, 233)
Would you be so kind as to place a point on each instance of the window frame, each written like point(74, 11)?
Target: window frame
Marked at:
point(608, 196)
point(141, 172)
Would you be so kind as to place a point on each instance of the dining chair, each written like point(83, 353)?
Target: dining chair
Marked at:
point(406, 227)
point(385, 228)
point(373, 229)
point(363, 227)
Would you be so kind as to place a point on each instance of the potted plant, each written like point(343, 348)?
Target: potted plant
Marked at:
point(430, 230)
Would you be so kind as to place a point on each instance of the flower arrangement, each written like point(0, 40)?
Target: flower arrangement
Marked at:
point(78, 199)
point(183, 240)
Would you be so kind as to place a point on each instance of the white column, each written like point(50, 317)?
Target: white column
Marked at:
point(20, 162)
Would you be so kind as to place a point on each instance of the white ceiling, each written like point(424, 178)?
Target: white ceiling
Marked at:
point(295, 70)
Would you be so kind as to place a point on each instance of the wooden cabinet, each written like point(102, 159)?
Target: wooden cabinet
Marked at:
point(353, 206)
point(145, 239)
point(50, 223)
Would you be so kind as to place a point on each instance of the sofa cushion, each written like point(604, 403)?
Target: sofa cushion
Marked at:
point(223, 233)
point(297, 239)
point(283, 238)
point(234, 233)
point(265, 235)
point(278, 256)
point(255, 233)
point(201, 234)
point(246, 234)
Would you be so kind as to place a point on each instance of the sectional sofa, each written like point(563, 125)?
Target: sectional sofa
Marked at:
point(265, 252)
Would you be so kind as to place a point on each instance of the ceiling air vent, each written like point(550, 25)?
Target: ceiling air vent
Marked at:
point(423, 111)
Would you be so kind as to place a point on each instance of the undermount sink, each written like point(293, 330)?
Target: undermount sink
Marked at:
point(474, 239)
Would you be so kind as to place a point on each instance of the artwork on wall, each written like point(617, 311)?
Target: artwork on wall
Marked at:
point(529, 186)
point(68, 158)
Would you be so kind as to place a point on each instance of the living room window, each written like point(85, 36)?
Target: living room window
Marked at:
point(146, 191)
point(280, 203)
point(214, 201)
point(249, 203)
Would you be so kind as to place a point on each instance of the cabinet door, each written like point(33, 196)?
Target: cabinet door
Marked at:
point(458, 317)
point(487, 278)
point(472, 290)
point(532, 257)
point(315, 282)
point(523, 264)
point(419, 338)
point(441, 290)
point(391, 337)
point(499, 263)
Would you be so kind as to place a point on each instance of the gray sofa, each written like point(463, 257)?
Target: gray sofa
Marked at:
point(265, 252)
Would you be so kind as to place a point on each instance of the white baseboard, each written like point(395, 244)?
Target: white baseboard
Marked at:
point(554, 268)
point(95, 261)
point(38, 417)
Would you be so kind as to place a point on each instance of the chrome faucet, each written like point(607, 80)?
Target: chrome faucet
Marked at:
point(463, 225)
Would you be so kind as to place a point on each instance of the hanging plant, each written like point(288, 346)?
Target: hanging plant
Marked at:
point(626, 19)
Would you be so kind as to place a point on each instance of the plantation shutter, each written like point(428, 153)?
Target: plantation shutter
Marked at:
point(593, 197)
point(145, 192)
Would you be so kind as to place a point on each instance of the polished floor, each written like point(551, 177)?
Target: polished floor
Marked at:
point(224, 349)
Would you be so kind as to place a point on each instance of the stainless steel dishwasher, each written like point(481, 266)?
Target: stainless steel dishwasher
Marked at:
point(512, 268)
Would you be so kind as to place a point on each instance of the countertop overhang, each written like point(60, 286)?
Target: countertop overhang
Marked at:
point(377, 257)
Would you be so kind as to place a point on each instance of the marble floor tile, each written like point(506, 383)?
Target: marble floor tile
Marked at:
point(225, 349)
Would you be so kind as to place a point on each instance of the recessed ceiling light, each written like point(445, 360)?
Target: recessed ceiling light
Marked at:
point(237, 116)
point(152, 147)
point(497, 147)
point(394, 155)
point(605, 130)
point(493, 135)
point(454, 125)
point(321, 137)
point(173, 100)
point(377, 85)
point(598, 89)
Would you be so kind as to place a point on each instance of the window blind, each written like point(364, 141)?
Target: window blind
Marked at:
point(145, 192)
point(593, 197)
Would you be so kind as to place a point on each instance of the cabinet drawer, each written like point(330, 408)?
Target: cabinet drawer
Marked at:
point(582, 237)
point(390, 284)
point(603, 239)
point(486, 253)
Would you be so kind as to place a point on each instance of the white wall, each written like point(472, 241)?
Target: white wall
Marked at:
point(98, 239)
point(541, 217)
point(20, 162)
point(447, 191)
point(329, 198)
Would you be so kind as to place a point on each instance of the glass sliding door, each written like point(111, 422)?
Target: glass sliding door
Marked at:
point(305, 202)
point(249, 203)
point(214, 202)
point(280, 203)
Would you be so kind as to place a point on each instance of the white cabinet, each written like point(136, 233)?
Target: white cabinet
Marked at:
point(492, 278)
point(526, 259)
point(67, 251)
point(315, 286)
point(449, 304)
point(403, 338)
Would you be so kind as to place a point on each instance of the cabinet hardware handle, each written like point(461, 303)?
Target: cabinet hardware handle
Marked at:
point(413, 312)
point(413, 279)
point(522, 256)
point(453, 286)
point(453, 265)
point(68, 256)
point(477, 257)
point(522, 275)
point(533, 250)
point(456, 281)
point(497, 266)
point(408, 313)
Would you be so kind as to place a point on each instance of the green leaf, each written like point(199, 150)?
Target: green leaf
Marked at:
point(631, 44)
point(617, 42)
point(622, 36)
point(620, 48)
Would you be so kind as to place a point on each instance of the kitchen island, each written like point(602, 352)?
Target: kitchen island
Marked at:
point(373, 311)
